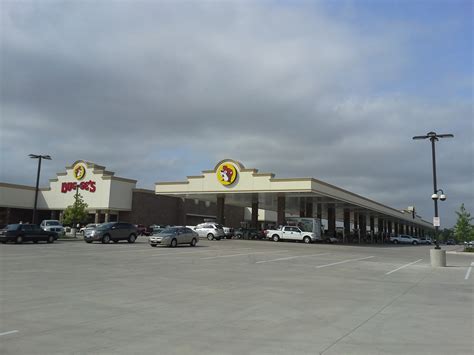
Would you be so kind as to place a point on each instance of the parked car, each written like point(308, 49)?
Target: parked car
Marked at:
point(451, 242)
point(20, 233)
point(210, 230)
point(52, 225)
point(143, 230)
point(404, 239)
point(328, 239)
point(172, 236)
point(469, 243)
point(249, 233)
point(88, 226)
point(112, 231)
point(424, 240)
point(228, 232)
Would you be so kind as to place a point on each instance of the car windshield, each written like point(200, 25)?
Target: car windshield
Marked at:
point(104, 226)
point(52, 223)
point(219, 226)
point(158, 230)
point(169, 230)
point(12, 227)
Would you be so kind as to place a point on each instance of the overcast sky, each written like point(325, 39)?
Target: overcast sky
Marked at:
point(158, 90)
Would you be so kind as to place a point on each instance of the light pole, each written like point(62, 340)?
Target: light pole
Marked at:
point(39, 157)
point(433, 137)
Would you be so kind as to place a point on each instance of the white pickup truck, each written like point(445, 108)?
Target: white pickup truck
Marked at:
point(291, 233)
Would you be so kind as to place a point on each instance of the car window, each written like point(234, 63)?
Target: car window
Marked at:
point(188, 230)
point(12, 227)
point(52, 223)
point(26, 228)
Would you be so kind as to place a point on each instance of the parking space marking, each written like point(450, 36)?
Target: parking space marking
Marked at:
point(10, 332)
point(468, 273)
point(290, 257)
point(344, 261)
point(404, 266)
point(188, 252)
point(231, 255)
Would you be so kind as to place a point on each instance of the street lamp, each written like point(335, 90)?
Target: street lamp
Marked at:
point(39, 157)
point(433, 137)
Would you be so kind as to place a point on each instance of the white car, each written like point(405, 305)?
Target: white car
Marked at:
point(87, 227)
point(52, 225)
point(404, 239)
point(210, 230)
point(229, 232)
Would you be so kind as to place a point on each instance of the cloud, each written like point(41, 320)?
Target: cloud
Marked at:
point(158, 91)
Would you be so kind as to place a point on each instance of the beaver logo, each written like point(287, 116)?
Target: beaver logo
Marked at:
point(226, 174)
point(79, 171)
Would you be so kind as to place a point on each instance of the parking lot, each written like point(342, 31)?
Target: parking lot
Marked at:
point(233, 297)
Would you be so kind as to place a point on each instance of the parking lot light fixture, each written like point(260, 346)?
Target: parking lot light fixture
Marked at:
point(39, 157)
point(433, 137)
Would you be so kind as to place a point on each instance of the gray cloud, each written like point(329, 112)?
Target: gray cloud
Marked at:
point(158, 91)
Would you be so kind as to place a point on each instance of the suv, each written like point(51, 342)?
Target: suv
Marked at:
point(114, 231)
point(52, 225)
point(210, 230)
point(424, 240)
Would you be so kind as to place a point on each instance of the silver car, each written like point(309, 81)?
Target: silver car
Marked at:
point(113, 231)
point(172, 236)
point(210, 231)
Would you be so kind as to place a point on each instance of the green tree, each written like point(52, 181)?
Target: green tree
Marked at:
point(77, 213)
point(463, 229)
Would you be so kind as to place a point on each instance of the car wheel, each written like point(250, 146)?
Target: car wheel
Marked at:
point(89, 241)
point(395, 241)
point(50, 239)
point(106, 239)
point(275, 238)
point(307, 240)
point(153, 245)
point(193, 242)
point(174, 243)
point(210, 236)
point(4, 242)
point(132, 238)
point(19, 239)
point(415, 242)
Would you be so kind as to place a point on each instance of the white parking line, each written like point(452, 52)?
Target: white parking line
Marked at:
point(289, 258)
point(10, 332)
point(187, 252)
point(468, 273)
point(343, 262)
point(404, 266)
point(231, 255)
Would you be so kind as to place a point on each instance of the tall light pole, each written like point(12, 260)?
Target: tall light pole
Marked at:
point(39, 157)
point(433, 137)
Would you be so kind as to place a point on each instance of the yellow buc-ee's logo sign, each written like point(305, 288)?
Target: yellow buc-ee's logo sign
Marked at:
point(226, 174)
point(79, 171)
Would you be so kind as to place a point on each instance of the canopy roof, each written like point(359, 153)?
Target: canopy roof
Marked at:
point(249, 185)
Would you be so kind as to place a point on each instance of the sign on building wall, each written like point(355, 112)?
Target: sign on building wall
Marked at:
point(79, 171)
point(227, 173)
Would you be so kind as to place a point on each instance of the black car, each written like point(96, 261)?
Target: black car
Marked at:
point(249, 233)
point(451, 242)
point(20, 233)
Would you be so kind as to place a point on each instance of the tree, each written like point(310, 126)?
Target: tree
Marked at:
point(463, 229)
point(77, 213)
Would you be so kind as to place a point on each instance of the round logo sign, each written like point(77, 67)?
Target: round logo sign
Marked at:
point(79, 171)
point(226, 174)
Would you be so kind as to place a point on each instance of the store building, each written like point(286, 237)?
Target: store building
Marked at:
point(109, 198)
point(230, 194)
point(231, 184)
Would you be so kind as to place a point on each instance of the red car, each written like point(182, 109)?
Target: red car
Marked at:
point(143, 230)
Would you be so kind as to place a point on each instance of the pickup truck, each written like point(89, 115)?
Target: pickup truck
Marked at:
point(291, 233)
point(404, 239)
